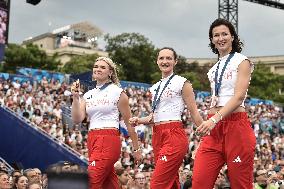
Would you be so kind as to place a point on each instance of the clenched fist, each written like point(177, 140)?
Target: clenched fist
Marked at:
point(75, 87)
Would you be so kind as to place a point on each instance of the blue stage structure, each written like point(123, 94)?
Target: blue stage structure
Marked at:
point(22, 142)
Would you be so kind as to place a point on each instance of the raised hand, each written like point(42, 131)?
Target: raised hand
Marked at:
point(75, 88)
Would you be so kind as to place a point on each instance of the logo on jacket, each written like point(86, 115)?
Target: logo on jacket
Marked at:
point(237, 160)
point(93, 163)
point(163, 158)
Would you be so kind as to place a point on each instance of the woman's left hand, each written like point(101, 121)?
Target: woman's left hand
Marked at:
point(133, 121)
point(205, 128)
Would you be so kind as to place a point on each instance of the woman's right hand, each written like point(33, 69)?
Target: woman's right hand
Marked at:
point(75, 88)
point(205, 128)
point(134, 121)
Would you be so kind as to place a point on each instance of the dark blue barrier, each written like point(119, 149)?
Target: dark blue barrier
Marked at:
point(86, 78)
point(130, 84)
point(2, 51)
point(21, 142)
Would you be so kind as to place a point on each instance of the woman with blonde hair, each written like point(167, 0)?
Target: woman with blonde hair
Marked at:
point(102, 105)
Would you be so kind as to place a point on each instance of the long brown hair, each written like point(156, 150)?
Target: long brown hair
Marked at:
point(236, 44)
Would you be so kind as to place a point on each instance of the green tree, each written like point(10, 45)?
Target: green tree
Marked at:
point(196, 74)
point(80, 64)
point(29, 56)
point(135, 54)
point(266, 85)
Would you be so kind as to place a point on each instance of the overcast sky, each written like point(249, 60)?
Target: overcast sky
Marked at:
point(182, 24)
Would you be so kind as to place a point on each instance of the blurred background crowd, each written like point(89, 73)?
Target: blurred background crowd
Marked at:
point(41, 104)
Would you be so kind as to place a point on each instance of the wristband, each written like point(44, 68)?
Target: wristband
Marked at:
point(221, 116)
point(213, 120)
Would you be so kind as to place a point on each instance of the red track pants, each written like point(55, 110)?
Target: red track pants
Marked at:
point(104, 150)
point(232, 141)
point(170, 145)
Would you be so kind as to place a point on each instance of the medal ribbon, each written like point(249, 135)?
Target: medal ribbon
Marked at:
point(218, 83)
point(156, 98)
point(104, 86)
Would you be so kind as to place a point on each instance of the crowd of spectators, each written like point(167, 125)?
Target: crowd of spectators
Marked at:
point(41, 104)
point(33, 178)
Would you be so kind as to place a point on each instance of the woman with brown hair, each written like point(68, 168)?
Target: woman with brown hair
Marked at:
point(170, 96)
point(227, 136)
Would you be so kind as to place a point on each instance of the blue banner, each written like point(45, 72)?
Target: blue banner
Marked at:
point(255, 101)
point(38, 74)
point(14, 77)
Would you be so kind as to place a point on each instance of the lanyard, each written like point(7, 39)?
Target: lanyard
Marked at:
point(104, 86)
point(218, 83)
point(101, 88)
point(156, 98)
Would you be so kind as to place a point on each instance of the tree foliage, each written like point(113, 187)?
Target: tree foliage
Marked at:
point(266, 85)
point(135, 54)
point(196, 74)
point(29, 56)
point(137, 57)
point(79, 64)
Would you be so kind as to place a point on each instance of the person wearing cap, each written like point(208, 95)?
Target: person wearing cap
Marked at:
point(102, 105)
point(170, 95)
point(227, 136)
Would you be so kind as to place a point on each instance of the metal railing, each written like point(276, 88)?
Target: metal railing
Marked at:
point(7, 165)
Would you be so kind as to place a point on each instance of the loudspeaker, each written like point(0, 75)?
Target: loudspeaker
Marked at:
point(34, 2)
